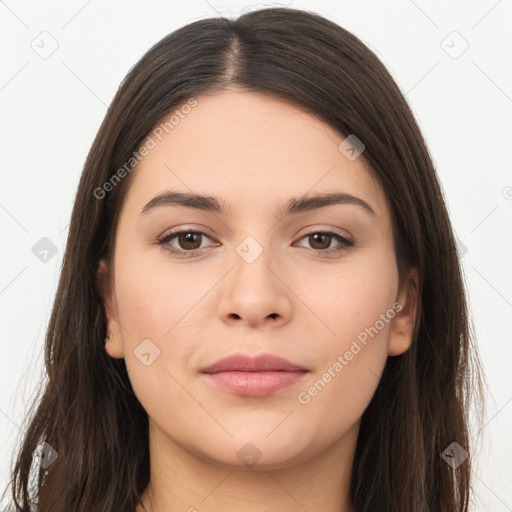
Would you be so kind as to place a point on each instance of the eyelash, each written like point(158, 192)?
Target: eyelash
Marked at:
point(162, 241)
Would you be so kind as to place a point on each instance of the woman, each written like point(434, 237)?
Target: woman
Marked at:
point(261, 305)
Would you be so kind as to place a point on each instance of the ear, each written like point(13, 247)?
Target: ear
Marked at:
point(402, 325)
point(114, 346)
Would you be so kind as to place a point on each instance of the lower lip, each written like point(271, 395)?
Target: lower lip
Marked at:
point(254, 383)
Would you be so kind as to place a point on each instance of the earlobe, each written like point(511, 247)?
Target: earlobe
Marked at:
point(114, 346)
point(402, 326)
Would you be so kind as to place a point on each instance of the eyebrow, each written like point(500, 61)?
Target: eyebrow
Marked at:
point(212, 204)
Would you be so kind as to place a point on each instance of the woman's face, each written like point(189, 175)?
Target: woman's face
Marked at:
point(257, 279)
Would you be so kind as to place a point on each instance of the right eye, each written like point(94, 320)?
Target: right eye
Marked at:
point(187, 239)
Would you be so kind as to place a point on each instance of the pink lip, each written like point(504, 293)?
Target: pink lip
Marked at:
point(259, 363)
point(253, 376)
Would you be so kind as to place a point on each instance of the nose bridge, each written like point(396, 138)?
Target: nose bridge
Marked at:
point(252, 263)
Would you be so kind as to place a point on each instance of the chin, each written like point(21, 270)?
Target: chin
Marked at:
point(254, 451)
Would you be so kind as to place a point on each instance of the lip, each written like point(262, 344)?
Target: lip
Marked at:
point(260, 363)
point(259, 375)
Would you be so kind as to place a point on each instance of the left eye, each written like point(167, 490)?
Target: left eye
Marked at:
point(188, 241)
point(320, 237)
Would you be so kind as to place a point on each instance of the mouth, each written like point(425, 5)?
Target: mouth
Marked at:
point(262, 375)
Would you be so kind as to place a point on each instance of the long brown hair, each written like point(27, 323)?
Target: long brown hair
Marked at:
point(87, 411)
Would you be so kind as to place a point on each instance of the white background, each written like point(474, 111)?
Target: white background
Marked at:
point(51, 109)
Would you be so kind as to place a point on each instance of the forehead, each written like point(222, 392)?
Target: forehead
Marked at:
point(250, 149)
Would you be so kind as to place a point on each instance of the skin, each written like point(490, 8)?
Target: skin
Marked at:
point(254, 152)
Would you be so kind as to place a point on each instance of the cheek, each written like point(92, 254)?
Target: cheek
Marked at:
point(359, 312)
point(349, 300)
point(154, 297)
point(353, 307)
point(156, 348)
point(169, 306)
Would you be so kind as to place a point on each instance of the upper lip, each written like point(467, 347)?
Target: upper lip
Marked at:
point(261, 362)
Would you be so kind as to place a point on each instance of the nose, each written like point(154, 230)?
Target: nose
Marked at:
point(256, 294)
